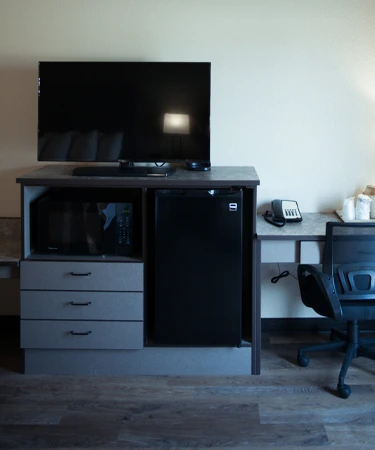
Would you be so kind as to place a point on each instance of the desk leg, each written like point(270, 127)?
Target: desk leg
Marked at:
point(256, 311)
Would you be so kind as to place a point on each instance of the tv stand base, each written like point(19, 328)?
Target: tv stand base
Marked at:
point(123, 171)
point(148, 361)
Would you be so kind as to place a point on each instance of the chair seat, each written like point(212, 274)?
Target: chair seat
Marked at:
point(353, 310)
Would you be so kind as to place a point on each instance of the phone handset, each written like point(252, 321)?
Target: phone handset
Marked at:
point(283, 211)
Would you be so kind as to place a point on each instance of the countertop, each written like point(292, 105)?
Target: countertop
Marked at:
point(312, 227)
point(10, 241)
point(61, 175)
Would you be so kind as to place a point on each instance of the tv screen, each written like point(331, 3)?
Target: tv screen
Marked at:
point(124, 111)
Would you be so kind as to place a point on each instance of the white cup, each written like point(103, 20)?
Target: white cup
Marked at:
point(348, 209)
point(362, 207)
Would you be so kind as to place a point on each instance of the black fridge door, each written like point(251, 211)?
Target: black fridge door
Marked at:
point(198, 267)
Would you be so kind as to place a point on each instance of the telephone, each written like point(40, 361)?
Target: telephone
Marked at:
point(283, 211)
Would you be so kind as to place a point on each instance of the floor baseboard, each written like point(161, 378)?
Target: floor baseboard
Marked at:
point(308, 325)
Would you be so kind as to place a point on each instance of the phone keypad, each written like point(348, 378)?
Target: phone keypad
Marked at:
point(291, 213)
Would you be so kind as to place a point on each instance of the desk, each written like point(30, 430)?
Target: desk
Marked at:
point(10, 255)
point(10, 247)
point(300, 242)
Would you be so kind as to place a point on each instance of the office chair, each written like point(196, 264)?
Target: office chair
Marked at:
point(344, 290)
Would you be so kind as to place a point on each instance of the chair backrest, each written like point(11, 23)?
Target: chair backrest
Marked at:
point(349, 256)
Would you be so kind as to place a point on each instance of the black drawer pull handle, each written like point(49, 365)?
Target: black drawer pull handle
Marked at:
point(80, 304)
point(73, 333)
point(80, 274)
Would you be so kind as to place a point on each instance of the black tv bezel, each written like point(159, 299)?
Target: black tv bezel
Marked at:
point(132, 160)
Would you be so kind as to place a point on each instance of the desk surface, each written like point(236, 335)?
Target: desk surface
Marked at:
point(312, 228)
point(10, 241)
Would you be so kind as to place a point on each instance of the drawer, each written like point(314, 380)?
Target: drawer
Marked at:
point(279, 251)
point(311, 252)
point(81, 305)
point(81, 276)
point(81, 334)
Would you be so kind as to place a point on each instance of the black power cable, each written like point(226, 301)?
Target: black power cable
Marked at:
point(283, 274)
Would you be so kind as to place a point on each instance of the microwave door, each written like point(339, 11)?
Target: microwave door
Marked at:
point(70, 228)
point(93, 229)
point(72, 231)
point(83, 228)
point(54, 225)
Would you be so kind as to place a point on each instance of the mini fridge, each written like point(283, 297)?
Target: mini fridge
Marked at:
point(198, 267)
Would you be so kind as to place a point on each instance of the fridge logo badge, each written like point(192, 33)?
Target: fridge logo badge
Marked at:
point(232, 206)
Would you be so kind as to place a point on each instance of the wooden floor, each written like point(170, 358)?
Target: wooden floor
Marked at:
point(287, 406)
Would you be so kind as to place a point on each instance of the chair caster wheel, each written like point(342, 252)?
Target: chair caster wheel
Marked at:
point(344, 390)
point(303, 360)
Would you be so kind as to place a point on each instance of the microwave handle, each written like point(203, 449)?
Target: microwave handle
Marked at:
point(80, 274)
point(79, 304)
point(85, 333)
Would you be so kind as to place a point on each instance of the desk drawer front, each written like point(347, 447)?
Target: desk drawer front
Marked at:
point(81, 276)
point(77, 334)
point(279, 251)
point(311, 252)
point(81, 305)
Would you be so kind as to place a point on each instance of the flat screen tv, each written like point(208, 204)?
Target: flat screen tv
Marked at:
point(152, 112)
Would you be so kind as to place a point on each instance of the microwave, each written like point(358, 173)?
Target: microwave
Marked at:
point(84, 227)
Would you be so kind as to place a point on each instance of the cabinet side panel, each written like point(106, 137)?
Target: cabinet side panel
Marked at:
point(28, 196)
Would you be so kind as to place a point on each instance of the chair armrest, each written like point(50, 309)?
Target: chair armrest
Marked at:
point(318, 291)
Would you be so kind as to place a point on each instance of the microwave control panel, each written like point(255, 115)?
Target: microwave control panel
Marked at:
point(124, 216)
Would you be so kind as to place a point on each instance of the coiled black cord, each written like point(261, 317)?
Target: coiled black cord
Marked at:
point(283, 274)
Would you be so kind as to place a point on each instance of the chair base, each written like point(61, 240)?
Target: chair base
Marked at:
point(349, 342)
